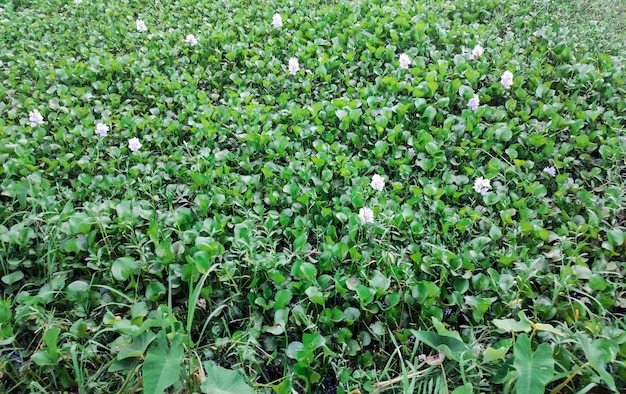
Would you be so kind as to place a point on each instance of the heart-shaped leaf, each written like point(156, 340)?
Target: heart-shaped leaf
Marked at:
point(162, 365)
point(535, 369)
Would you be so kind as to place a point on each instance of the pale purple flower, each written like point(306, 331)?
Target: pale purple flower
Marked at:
point(277, 21)
point(473, 103)
point(141, 26)
point(405, 62)
point(134, 144)
point(411, 151)
point(482, 185)
point(477, 52)
point(378, 183)
point(35, 118)
point(102, 129)
point(507, 79)
point(294, 67)
point(191, 40)
point(366, 215)
point(550, 170)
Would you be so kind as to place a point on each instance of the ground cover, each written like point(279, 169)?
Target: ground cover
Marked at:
point(312, 196)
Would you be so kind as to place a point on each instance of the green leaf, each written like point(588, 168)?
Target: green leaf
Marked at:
point(137, 347)
point(5, 311)
point(616, 237)
point(13, 277)
point(512, 325)
point(315, 295)
point(223, 381)
point(380, 282)
point(77, 290)
point(598, 353)
point(467, 388)
point(164, 252)
point(534, 369)
point(453, 348)
point(503, 133)
point(162, 365)
point(242, 232)
point(50, 354)
point(341, 114)
point(202, 260)
point(491, 354)
point(80, 223)
point(300, 242)
point(124, 267)
point(282, 298)
point(309, 271)
point(429, 114)
point(313, 341)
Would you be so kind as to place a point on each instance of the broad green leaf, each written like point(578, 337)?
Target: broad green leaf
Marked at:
point(453, 348)
point(467, 388)
point(380, 282)
point(616, 237)
point(309, 271)
point(137, 347)
point(223, 381)
point(5, 311)
point(164, 252)
point(124, 267)
point(312, 341)
point(300, 242)
point(491, 354)
point(202, 260)
point(77, 290)
point(315, 295)
point(13, 277)
point(341, 114)
point(512, 325)
point(80, 223)
point(599, 353)
point(503, 133)
point(534, 369)
point(242, 232)
point(50, 354)
point(282, 298)
point(163, 363)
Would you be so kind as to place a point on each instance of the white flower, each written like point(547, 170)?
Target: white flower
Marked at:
point(366, 215)
point(191, 40)
point(141, 26)
point(35, 118)
point(277, 21)
point(134, 144)
point(473, 103)
point(405, 62)
point(507, 79)
point(411, 151)
point(294, 67)
point(102, 129)
point(477, 52)
point(378, 183)
point(78, 1)
point(482, 185)
point(550, 170)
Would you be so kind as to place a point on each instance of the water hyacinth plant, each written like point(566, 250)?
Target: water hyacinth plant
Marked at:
point(353, 197)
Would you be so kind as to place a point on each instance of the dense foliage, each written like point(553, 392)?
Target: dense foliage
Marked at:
point(425, 196)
